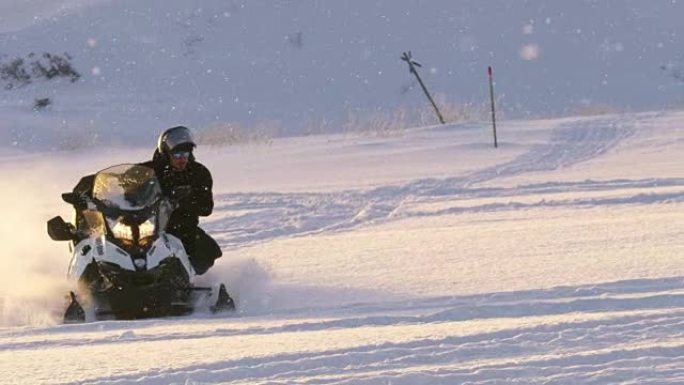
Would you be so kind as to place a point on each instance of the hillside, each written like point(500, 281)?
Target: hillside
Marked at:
point(290, 68)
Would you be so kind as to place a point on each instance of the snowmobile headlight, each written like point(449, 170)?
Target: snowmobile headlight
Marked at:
point(94, 222)
point(146, 228)
point(120, 230)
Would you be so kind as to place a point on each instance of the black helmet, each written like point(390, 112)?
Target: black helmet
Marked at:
point(175, 137)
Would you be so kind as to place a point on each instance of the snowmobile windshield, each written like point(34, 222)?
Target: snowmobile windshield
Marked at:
point(127, 187)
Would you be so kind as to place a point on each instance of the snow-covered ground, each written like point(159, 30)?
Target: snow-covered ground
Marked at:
point(425, 257)
point(418, 256)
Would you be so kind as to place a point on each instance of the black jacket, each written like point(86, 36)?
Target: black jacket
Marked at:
point(198, 203)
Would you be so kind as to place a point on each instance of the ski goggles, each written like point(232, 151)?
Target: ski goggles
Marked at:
point(180, 155)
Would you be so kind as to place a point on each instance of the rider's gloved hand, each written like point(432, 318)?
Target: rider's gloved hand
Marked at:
point(179, 193)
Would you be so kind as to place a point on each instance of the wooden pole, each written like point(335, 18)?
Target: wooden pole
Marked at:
point(412, 68)
point(491, 98)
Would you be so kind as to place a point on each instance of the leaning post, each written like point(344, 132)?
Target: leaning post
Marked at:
point(412, 68)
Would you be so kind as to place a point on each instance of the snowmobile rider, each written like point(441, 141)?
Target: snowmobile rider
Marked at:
point(188, 184)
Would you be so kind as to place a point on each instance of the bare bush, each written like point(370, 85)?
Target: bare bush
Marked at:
point(18, 72)
point(316, 127)
point(233, 133)
point(41, 103)
point(385, 123)
point(224, 134)
point(76, 138)
point(264, 131)
point(51, 66)
point(14, 73)
point(456, 112)
point(590, 109)
point(377, 123)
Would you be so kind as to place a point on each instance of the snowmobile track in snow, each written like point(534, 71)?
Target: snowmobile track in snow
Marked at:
point(259, 217)
point(592, 334)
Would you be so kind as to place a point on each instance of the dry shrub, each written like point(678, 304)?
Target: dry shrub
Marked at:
point(377, 123)
point(76, 138)
point(234, 133)
point(587, 109)
point(317, 127)
point(458, 112)
point(384, 123)
point(17, 72)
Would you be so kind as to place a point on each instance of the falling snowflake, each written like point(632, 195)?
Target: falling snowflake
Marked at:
point(529, 52)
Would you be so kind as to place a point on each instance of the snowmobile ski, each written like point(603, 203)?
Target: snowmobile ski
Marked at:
point(224, 302)
point(74, 312)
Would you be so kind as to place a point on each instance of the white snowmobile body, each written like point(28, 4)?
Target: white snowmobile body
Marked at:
point(124, 264)
point(99, 249)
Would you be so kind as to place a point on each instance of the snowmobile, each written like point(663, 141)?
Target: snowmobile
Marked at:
point(124, 264)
